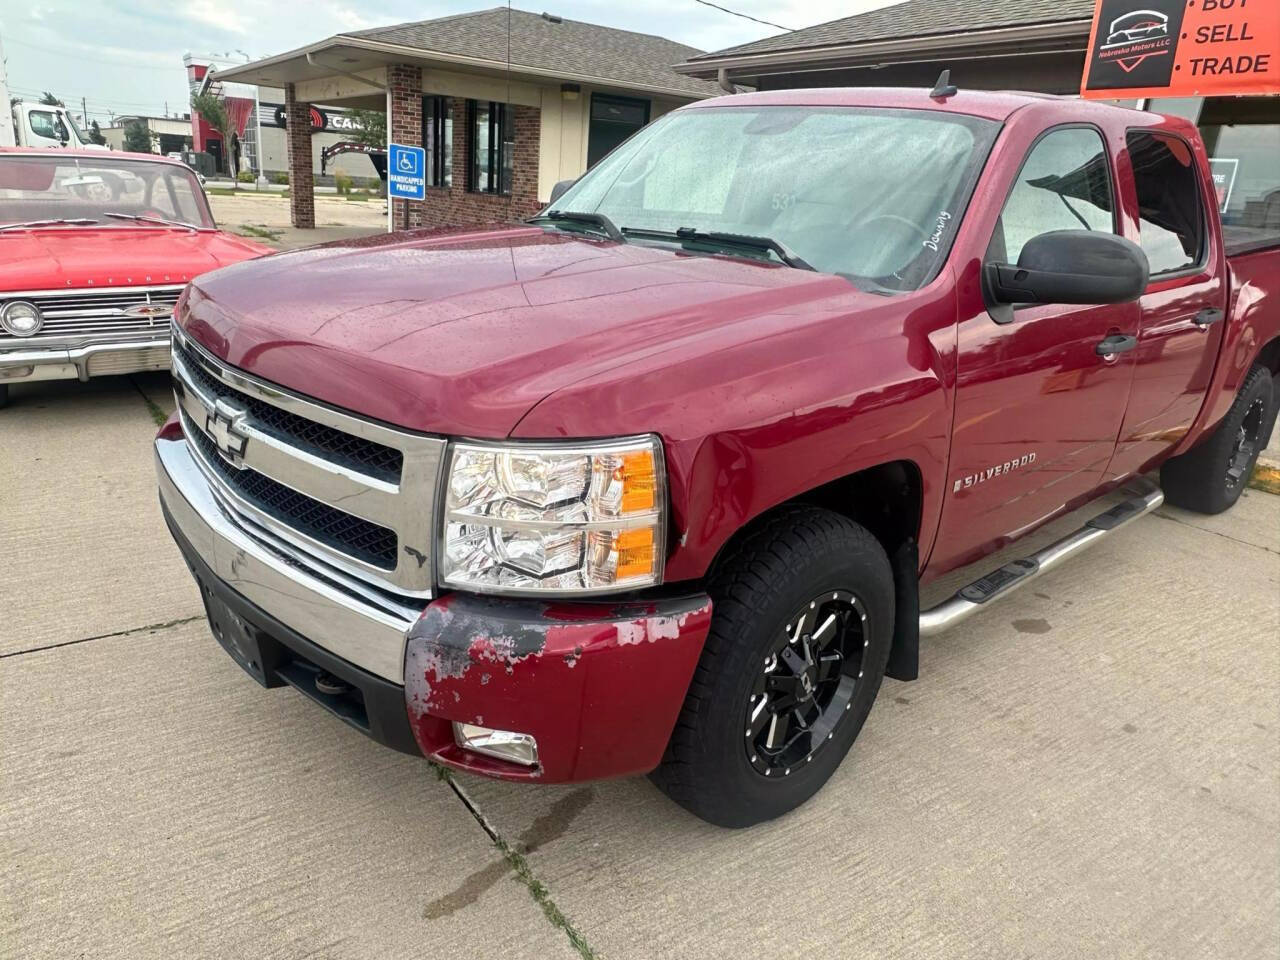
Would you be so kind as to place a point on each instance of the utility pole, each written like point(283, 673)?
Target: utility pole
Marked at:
point(84, 115)
point(7, 137)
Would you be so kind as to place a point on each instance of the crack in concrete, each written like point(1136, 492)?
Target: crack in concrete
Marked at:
point(157, 413)
point(1224, 536)
point(105, 636)
point(543, 830)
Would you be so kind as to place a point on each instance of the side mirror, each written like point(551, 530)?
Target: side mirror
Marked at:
point(1070, 266)
point(558, 190)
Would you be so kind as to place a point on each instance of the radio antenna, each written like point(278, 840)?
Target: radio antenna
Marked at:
point(943, 88)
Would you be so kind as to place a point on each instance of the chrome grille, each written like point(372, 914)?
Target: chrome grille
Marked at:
point(348, 493)
point(376, 459)
point(74, 316)
point(359, 538)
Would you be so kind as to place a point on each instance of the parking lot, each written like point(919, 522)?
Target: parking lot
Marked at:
point(1089, 769)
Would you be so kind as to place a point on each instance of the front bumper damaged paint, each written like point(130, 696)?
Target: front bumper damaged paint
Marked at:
point(598, 684)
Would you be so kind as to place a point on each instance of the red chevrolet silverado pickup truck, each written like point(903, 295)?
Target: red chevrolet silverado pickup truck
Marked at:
point(649, 484)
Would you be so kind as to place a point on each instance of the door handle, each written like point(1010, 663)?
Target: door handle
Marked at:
point(1207, 318)
point(1114, 344)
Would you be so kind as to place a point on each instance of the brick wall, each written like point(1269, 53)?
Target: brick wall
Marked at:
point(302, 201)
point(454, 205)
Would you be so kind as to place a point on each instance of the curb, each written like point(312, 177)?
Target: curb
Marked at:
point(1266, 476)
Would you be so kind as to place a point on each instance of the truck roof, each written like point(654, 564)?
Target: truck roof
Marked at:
point(98, 155)
point(990, 105)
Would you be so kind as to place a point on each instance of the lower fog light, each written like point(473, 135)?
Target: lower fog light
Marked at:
point(504, 744)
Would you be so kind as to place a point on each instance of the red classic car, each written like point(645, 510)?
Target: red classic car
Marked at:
point(94, 250)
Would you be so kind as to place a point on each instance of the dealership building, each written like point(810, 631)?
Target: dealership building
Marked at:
point(506, 103)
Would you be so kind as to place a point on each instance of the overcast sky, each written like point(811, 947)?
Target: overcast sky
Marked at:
point(126, 57)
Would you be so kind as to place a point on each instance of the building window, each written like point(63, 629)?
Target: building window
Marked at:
point(437, 137)
point(1171, 218)
point(492, 146)
point(613, 119)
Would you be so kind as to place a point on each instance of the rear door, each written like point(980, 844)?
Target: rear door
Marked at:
point(1182, 315)
point(1037, 407)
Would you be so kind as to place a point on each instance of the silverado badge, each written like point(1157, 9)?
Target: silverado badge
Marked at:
point(982, 476)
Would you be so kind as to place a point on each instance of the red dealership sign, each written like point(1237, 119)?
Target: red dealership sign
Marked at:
point(1183, 48)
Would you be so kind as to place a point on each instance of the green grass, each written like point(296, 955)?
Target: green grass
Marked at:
point(249, 230)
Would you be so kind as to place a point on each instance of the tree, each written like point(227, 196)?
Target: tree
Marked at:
point(137, 137)
point(372, 131)
point(214, 110)
point(95, 134)
point(50, 100)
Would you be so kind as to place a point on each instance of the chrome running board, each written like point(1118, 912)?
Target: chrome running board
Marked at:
point(1146, 497)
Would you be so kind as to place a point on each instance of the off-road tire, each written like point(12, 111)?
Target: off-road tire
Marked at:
point(1198, 479)
point(794, 556)
point(4, 395)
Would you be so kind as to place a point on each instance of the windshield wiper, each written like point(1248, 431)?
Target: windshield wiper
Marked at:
point(141, 219)
point(714, 238)
point(74, 221)
point(599, 220)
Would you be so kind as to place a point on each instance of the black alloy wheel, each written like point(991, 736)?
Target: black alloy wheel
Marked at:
point(807, 684)
point(1244, 450)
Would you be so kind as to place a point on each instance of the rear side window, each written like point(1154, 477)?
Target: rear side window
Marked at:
point(1170, 205)
point(1064, 184)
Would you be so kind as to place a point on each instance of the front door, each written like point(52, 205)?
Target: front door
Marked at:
point(1182, 308)
point(1037, 406)
point(613, 119)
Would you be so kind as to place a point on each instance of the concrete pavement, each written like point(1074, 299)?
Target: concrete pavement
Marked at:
point(1089, 769)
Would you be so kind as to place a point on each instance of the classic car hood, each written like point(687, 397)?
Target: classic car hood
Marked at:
point(465, 333)
point(76, 257)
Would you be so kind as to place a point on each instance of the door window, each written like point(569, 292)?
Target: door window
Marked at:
point(1170, 208)
point(45, 124)
point(1065, 184)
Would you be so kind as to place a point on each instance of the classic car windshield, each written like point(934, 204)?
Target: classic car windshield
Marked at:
point(60, 187)
point(874, 195)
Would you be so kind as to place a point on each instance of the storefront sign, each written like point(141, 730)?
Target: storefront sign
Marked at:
point(322, 121)
point(1183, 48)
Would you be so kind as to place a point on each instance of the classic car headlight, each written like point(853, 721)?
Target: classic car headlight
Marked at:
point(20, 318)
point(554, 518)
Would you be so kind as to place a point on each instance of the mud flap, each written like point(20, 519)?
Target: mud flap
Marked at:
point(904, 655)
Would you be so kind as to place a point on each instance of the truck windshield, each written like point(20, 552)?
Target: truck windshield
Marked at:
point(58, 187)
point(874, 195)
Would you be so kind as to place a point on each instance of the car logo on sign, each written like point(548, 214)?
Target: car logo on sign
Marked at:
point(1135, 37)
point(225, 427)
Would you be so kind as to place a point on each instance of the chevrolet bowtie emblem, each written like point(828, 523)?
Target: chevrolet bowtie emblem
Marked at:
point(225, 427)
point(149, 310)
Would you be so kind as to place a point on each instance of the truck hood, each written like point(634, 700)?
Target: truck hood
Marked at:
point(464, 333)
point(73, 257)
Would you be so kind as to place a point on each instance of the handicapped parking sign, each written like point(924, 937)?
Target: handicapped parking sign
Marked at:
point(406, 172)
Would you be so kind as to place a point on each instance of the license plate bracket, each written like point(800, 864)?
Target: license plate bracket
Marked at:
point(236, 636)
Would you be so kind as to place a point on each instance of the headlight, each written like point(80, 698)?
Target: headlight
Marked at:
point(554, 518)
point(20, 318)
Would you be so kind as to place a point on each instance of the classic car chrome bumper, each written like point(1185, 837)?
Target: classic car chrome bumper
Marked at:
point(363, 627)
point(83, 362)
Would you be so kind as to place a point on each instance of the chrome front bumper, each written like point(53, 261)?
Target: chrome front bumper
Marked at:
point(364, 628)
point(83, 362)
